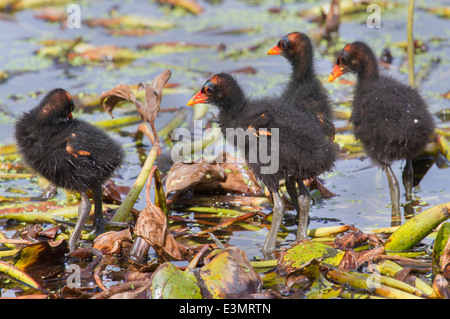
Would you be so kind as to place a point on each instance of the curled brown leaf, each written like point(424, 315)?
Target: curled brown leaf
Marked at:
point(121, 92)
point(112, 242)
point(151, 225)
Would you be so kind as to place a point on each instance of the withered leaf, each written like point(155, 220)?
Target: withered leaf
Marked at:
point(356, 238)
point(369, 255)
point(440, 287)
point(206, 177)
point(121, 92)
point(184, 175)
point(151, 225)
point(111, 191)
point(153, 96)
point(351, 239)
point(112, 242)
point(349, 261)
point(42, 259)
point(229, 275)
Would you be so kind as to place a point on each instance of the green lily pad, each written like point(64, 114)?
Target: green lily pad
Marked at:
point(168, 282)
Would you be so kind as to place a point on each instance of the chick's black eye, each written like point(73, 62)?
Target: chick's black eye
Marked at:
point(343, 58)
point(209, 88)
point(282, 44)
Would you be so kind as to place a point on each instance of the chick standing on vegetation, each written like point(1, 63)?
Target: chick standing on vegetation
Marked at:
point(304, 92)
point(302, 149)
point(390, 118)
point(69, 153)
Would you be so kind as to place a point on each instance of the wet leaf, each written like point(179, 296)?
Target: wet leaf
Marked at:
point(417, 228)
point(321, 288)
point(112, 242)
point(184, 175)
point(42, 259)
point(229, 275)
point(440, 287)
point(168, 282)
point(41, 254)
point(151, 225)
point(17, 274)
point(297, 256)
point(355, 238)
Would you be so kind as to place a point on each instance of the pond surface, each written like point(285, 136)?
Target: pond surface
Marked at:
point(233, 26)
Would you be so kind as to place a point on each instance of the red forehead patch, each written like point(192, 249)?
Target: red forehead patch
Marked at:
point(68, 95)
point(347, 48)
point(214, 79)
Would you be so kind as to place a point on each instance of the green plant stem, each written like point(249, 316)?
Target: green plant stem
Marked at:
point(128, 203)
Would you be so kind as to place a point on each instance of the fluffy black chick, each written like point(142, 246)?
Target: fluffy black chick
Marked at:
point(292, 135)
point(304, 90)
point(69, 153)
point(390, 118)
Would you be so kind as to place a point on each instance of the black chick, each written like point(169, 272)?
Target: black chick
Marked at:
point(69, 153)
point(292, 135)
point(390, 118)
point(304, 90)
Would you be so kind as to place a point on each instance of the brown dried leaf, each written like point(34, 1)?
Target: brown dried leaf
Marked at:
point(121, 92)
point(351, 239)
point(112, 242)
point(349, 261)
point(42, 259)
point(440, 287)
point(151, 225)
point(50, 232)
point(369, 255)
point(315, 183)
point(184, 175)
point(153, 96)
point(356, 238)
point(111, 191)
point(204, 177)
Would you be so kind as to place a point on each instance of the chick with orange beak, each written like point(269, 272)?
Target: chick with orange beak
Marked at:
point(304, 90)
point(390, 118)
point(292, 135)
